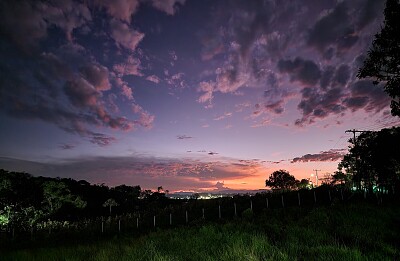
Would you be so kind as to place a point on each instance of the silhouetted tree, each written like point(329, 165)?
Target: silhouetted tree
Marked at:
point(374, 160)
point(383, 61)
point(281, 180)
point(110, 203)
point(303, 184)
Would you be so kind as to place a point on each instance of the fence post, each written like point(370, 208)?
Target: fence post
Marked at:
point(154, 221)
point(234, 204)
point(330, 199)
point(315, 197)
point(283, 203)
point(298, 197)
point(102, 225)
point(341, 193)
point(219, 211)
point(170, 219)
point(267, 203)
point(137, 222)
point(203, 213)
point(251, 205)
point(187, 218)
point(119, 225)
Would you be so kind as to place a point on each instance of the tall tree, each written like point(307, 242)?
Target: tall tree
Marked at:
point(376, 159)
point(281, 180)
point(383, 61)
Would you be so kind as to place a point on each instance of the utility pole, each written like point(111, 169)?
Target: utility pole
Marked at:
point(316, 176)
point(354, 131)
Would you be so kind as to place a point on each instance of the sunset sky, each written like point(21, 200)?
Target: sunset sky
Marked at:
point(191, 95)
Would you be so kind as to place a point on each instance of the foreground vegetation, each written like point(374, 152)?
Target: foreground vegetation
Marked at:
point(339, 232)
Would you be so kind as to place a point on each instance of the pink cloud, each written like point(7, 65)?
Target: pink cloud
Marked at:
point(208, 89)
point(97, 75)
point(127, 91)
point(225, 115)
point(132, 66)
point(153, 78)
point(145, 118)
point(124, 36)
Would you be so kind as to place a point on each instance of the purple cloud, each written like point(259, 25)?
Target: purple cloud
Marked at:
point(330, 155)
point(184, 137)
point(124, 36)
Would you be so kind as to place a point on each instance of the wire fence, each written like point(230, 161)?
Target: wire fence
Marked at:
point(189, 212)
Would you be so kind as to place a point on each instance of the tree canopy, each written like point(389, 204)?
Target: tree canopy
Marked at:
point(383, 61)
point(281, 180)
point(373, 160)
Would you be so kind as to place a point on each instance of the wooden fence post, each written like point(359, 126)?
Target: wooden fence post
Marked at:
point(298, 197)
point(219, 211)
point(330, 199)
point(341, 193)
point(119, 225)
point(170, 219)
point(154, 221)
point(315, 197)
point(283, 203)
point(187, 218)
point(234, 204)
point(137, 222)
point(251, 205)
point(267, 203)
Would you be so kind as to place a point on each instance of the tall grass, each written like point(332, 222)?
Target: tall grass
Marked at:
point(354, 232)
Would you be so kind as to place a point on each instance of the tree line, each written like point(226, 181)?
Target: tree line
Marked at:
point(26, 200)
point(371, 164)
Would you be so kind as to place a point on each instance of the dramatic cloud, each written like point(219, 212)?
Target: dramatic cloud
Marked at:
point(258, 47)
point(330, 155)
point(303, 71)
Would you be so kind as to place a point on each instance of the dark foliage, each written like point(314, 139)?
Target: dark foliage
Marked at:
point(383, 61)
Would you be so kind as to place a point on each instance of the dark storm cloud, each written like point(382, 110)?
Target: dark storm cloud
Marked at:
point(330, 155)
point(342, 75)
point(333, 29)
point(317, 103)
point(303, 71)
point(370, 9)
point(364, 94)
point(326, 76)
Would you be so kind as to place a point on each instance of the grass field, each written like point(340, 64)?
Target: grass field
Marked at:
point(340, 232)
